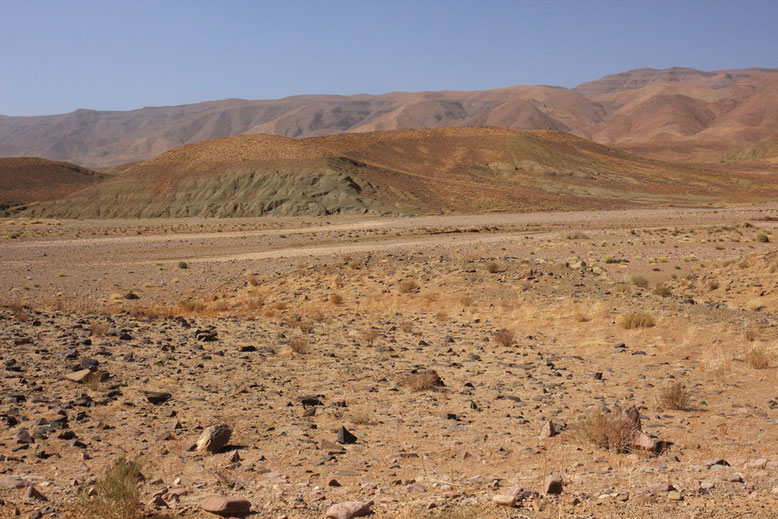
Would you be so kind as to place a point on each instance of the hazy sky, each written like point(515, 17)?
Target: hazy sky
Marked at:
point(57, 56)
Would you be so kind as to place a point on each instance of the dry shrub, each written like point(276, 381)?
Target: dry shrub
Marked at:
point(20, 314)
point(407, 286)
point(336, 299)
point(754, 305)
point(676, 397)
point(316, 315)
point(637, 320)
point(254, 281)
point(493, 268)
point(98, 329)
point(465, 300)
point(638, 281)
point(190, 305)
point(613, 434)
point(751, 334)
point(577, 235)
point(713, 285)
point(299, 345)
point(581, 317)
point(370, 335)
point(760, 357)
point(505, 337)
point(422, 381)
point(441, 316)
point(407, 326)
point(662, 291)
point(116, 495)
point(361, 416)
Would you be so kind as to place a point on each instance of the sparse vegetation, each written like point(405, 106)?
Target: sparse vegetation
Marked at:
point(676, 397)
point(760, 357)
point(754, 305)
point(493, 268)
point(116, 494)
point(638, 319)
point(605, 432)
point(762, 238)
point(299, 345)
point(407, 286)
point(422, 381)
point(183, 265)
point(336, 299)
point(98, 329)
point(662, 291)
point(505, 337)
point(638, 281)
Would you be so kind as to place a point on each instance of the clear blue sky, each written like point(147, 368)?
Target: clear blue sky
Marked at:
point(60, 55)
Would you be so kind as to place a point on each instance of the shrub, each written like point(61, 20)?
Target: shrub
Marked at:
point(505, 337)
point(299, 345)
point(598, 429)
point(98, 329)
point(408, 285)
point(754, 305)
point(361, 416)
point(676, 397)
point(422, 381)
point(713, 285)
point(336, 299)
point(762, 238)
point(493, 268)
point(116, 495)
point(577, 235)
point(759, 357)
point(370, 335)
point(662, 291)
point(638, 281)
point(637, 320)
point(183, 265)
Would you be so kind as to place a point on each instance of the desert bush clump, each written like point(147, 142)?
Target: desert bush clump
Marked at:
point(370, 335)
point(762, 238)
point(662, 291)
point(299, 345)
point(676, 397)
point(98, 329)
point(407, 286)
point(638, 281)
point(604, 432)
point(754, 305)
point(422, 381)
point(504, 337)
point(183, 265)
point(577, 235)
point(116, 495)
point(336, 299)
point(637, 320)
point(493, 268)
point(760, 357)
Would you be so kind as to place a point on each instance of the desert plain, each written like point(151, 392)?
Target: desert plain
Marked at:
point(478, 365)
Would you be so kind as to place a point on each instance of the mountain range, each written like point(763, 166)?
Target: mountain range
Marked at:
point(678, 114)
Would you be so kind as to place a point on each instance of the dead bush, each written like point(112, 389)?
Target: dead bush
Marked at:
point(361, 416)
point(299, 345)
point(98, 329)
point(370, 335)
point(493, 268)
point(637, 320)
point(505, 337)
point(760, 357)
point(676, 397)
point(427, 380)
point(611, 433)
point(407, 286)
point(336, 299)
point(116, 495)
point(638, 281)
point(663, 291)
point(407, 326)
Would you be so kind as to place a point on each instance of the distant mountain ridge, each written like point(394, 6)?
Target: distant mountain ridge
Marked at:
point(676, 113)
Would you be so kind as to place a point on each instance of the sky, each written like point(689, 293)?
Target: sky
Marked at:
point(57, 56)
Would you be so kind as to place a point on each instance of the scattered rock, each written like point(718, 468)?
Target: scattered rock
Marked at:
point(214, 438)
point(345, 437)
point(226, 506)
point(349, 509)
point(549, 430)
point(552, 484)
point(505, 500)
point(157, 397)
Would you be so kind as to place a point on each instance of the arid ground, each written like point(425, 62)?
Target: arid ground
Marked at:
point(130, 338)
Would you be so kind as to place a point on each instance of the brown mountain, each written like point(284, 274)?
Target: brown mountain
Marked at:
point(677, 113)
point(24, 180)
point(401, 171)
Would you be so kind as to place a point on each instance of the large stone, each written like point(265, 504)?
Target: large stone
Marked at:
point(349, 509)
point(214, 438)
point(549, 430)
point(505, 500)
point(157, 397)
point(13, 482)
point(226, 506)
point(344, 436)
point(553, 484)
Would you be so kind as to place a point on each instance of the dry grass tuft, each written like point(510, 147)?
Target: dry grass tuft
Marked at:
point(662, 291)
point(754, 305)
point(422, 381)
point(637, 319)
point(98, 329)
point(604, 432)
point(336, 299)
point(493, 268)
point(505, 337)
point(638, 281)
point(407, 286)
point(760, 357)
point(676, 397)
point(299, 345)
point(116, 495)
point(370, 335)
point(361, 416)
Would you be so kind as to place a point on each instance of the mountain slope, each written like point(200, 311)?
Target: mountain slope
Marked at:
point(394, 172)
point(27, 180)
point(675, 113)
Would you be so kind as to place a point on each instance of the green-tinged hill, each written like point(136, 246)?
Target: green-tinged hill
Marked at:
point(404, 171)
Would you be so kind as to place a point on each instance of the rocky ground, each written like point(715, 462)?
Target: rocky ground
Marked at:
point(287, 340)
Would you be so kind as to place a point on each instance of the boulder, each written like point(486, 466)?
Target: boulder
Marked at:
point(214, 438)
